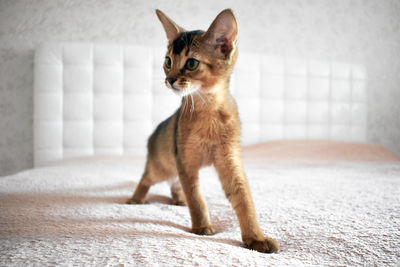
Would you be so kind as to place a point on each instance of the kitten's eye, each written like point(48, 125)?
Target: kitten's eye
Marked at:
point(192, 64)
point(167, 62)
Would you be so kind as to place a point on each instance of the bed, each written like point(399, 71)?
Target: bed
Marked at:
point(324, 210)
point(328, 197)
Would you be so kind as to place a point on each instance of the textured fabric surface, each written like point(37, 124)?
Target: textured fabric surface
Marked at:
point(316, 151)
point(322, 213)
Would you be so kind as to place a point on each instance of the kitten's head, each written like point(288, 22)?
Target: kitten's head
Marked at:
point(198, 60)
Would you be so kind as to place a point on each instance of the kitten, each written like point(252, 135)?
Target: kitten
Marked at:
point(205, 129)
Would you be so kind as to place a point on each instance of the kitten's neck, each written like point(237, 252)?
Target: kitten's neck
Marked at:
point(207, 100)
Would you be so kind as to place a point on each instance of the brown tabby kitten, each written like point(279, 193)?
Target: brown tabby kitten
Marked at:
point(205, 130)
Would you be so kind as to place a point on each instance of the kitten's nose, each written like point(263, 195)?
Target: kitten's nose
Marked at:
point(171, 80)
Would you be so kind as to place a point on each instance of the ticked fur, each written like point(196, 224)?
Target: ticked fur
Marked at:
point(205, 130)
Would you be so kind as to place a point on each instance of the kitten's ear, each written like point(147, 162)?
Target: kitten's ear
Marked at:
point(222, 33)
point(171, 28)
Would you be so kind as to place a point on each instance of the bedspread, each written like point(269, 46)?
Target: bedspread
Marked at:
point(325, 213)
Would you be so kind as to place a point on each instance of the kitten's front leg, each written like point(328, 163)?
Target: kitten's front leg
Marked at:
point(188, 176)
point(234, 182)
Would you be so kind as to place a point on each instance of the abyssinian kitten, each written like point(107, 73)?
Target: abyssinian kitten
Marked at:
point(205, 129)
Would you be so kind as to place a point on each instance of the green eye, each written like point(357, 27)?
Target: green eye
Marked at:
point(192, 64)
point(167, 62)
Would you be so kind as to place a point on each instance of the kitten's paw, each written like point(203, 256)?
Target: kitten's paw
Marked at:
point(134, 201)
point(208, 230)
point(269, 245)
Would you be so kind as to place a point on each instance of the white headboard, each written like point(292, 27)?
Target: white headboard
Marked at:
point(107, 98)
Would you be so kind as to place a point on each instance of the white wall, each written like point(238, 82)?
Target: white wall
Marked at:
point(360, 32)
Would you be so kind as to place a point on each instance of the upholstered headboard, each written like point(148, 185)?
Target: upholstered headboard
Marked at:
point(107, 98)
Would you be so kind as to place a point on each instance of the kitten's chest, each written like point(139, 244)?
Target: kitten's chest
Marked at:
point(201, 134)
point(199, 138)
point(209, 128)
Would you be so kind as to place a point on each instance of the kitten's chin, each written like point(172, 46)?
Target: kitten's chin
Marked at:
point(186, 92)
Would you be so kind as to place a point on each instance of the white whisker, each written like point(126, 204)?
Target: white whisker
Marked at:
point(183, 107)
point(200, 94)
point(192, 107)
point(186, 102)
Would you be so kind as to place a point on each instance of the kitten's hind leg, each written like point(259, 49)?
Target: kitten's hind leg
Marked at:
point(178, 196)
point(141, 190)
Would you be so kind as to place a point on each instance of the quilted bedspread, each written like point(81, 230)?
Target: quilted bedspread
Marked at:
point(322, 212)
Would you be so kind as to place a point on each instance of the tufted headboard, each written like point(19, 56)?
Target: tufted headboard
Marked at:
point(94, 99)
